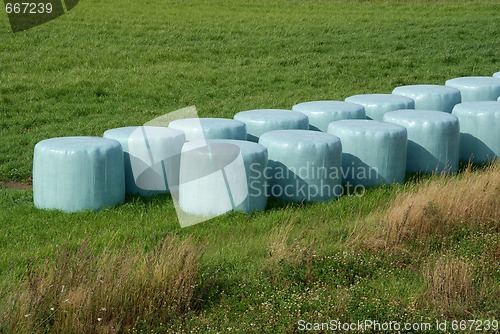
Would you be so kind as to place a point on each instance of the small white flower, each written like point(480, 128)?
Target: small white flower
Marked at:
point(99, 319)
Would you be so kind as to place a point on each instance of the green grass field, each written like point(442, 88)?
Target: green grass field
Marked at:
point(119, 63)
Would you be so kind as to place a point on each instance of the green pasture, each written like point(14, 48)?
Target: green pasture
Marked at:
point(117, 63)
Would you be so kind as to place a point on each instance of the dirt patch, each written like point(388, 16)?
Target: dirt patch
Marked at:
point(16, 185)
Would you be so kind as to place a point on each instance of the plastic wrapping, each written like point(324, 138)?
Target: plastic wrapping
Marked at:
point(260, 121)
point(373, 152)
point(149, 154)
point(219, 176)
point(304, 166)
point(210, 128)
point(476, 88)
point(78, 173)
point(479, 130)
point(433, 139)
point(431, 97)
point(321, 113)
point(376, 105)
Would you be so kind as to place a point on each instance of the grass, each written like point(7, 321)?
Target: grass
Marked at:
point(451, 284)
point(428, 212)
point(82, 293)
point(110, 64)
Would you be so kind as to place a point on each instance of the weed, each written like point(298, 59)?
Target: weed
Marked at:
point(83, 293)
point(450, 287)
point(444, 203)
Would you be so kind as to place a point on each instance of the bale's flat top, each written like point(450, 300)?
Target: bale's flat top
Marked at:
point(327, 106)
point(420, 116)
point(298, 137)
point(206, 123)
point(76, 144)
point(269, 115)
point(379, 99)
point(150, 131)
point(243, 145)
point(426, 89)
point(365, 126)
point(472, 82)
point(477, 108)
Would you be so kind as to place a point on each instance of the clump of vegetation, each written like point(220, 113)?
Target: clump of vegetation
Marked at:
point(82, 293)
point(442, 204)
point(450, 285)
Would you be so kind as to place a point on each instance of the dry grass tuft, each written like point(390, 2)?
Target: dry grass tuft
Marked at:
point(82, 293)
point(297, 254)
point(444, 203)
point(279, 246)
point(450, 286)
point(283, 247)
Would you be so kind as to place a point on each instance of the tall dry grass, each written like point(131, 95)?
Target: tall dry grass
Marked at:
point(290, 253)
point(444, 203)
point(450, 287)
point(83, 293)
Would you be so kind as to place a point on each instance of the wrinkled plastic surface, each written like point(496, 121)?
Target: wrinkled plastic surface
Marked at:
point(321, 113)
point(479, 130)
point(151, 156)
point(78, 173)
point(304, 166)
point(376, 105)
point(260, 121)
point(476, 88)
point(210, 128)
point(219, 176)
point(431, 97)
point(433, 139)
point(373, 152)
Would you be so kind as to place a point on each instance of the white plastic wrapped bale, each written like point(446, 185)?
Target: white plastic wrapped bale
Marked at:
point(431, 97)
point(260, 121)
point(321, 113)
point(219, 176)
point(78, 173)
point(210, 128)
point(476, 88)
point(479, 130)
point(496, 75)
point(373, 152)
point(376, 105)
point(433, 139)
point(150, 156)
point(303, 166)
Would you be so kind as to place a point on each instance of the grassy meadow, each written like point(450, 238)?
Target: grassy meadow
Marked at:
point(424, 251)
